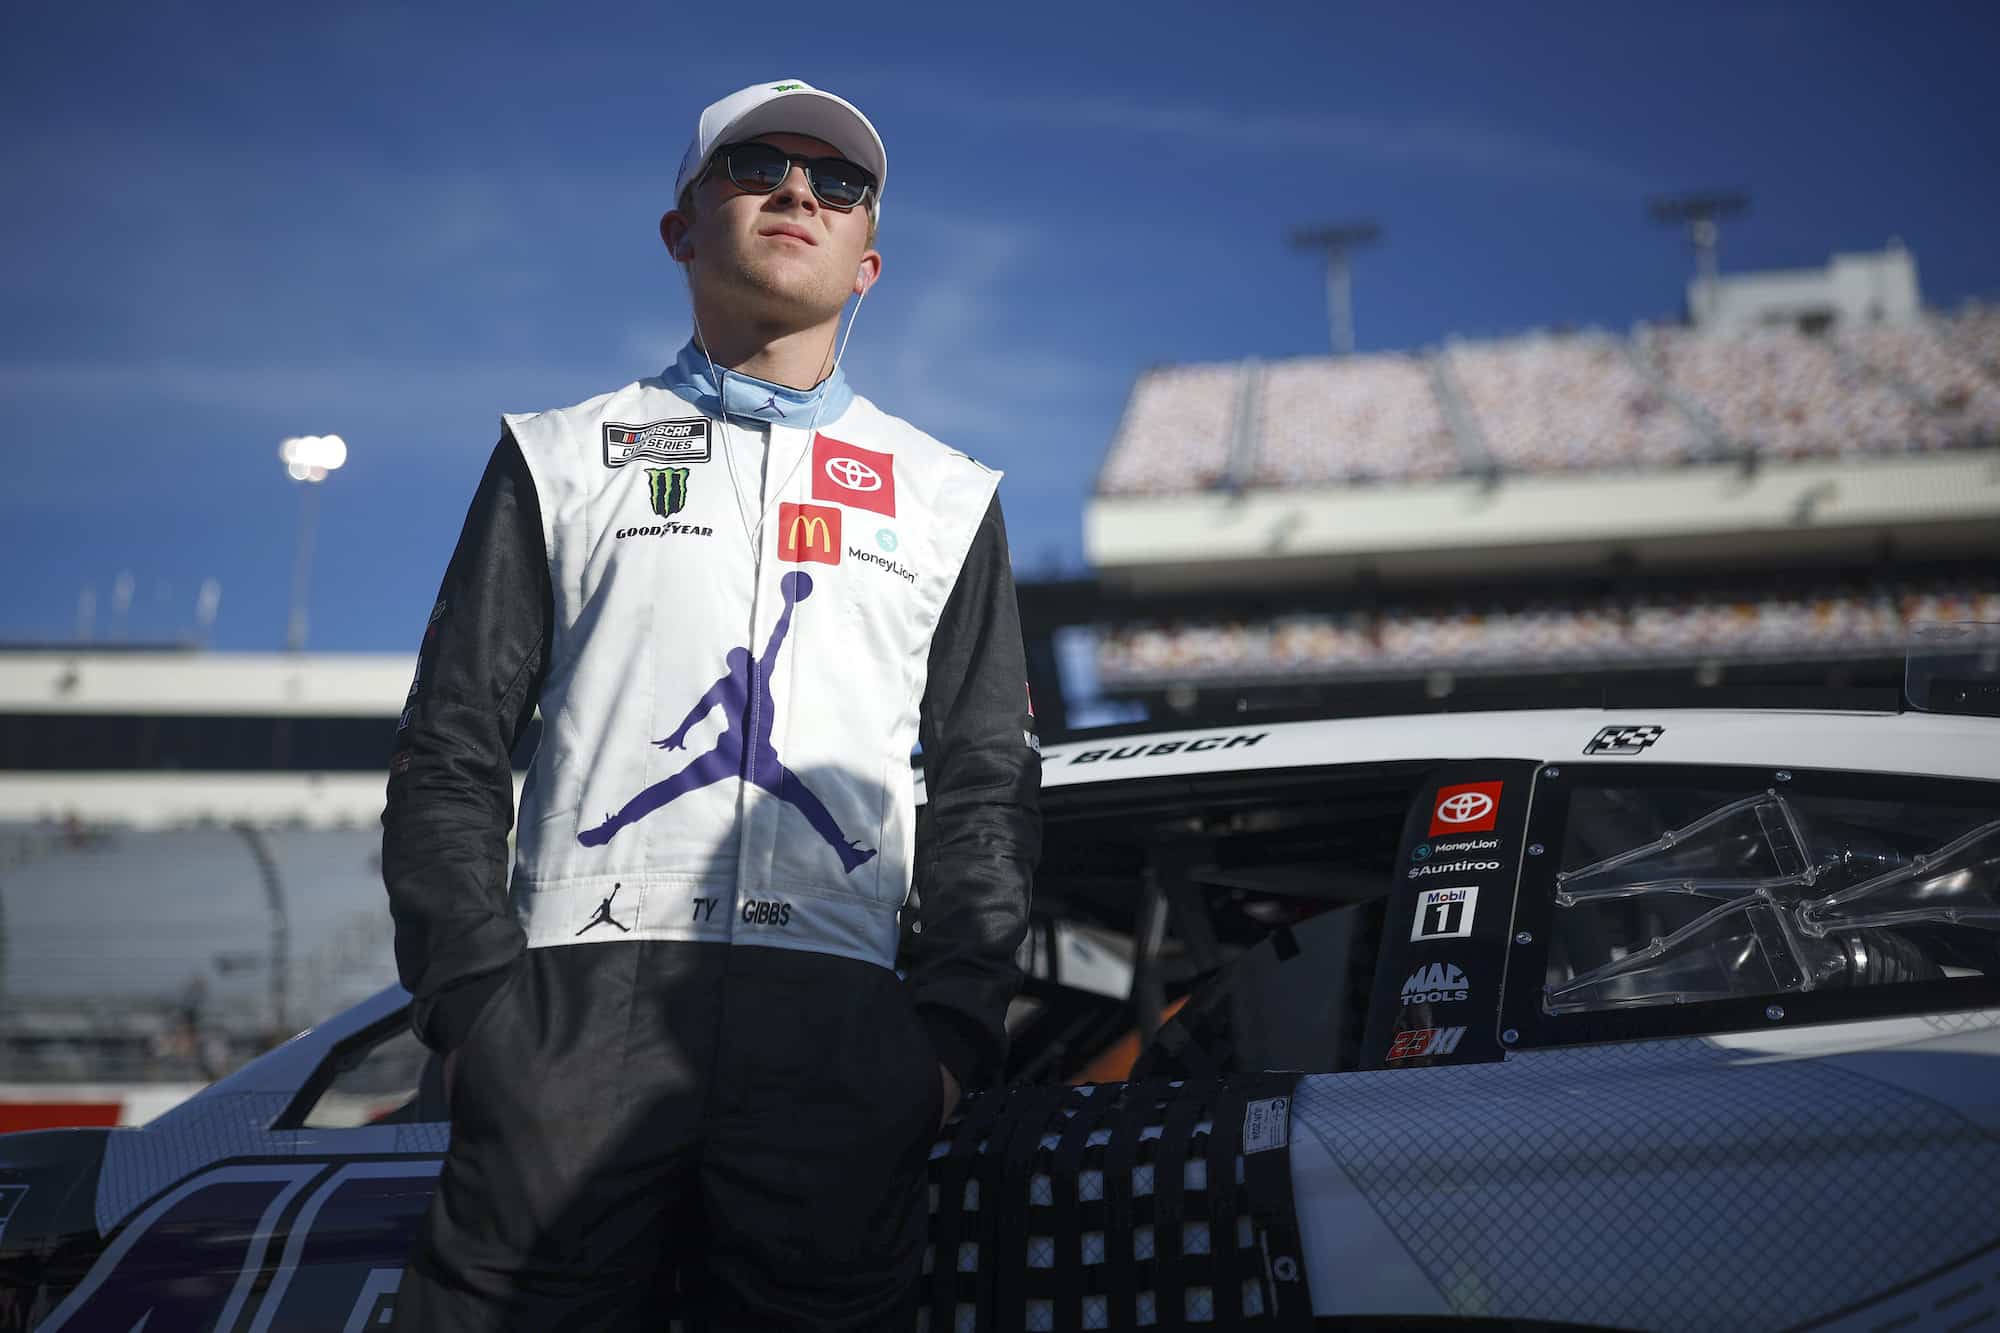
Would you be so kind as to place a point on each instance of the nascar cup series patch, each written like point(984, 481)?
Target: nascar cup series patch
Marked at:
point(680, 440)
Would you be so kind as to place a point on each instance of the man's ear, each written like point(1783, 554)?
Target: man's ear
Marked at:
point(678, 235)
point(869, 272)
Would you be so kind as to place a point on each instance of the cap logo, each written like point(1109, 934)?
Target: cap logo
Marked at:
point(786, 87)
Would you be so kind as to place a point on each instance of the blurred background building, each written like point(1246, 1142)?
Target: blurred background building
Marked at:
point(190, 864)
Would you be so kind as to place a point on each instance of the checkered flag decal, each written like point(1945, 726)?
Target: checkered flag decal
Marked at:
point(1623, 740)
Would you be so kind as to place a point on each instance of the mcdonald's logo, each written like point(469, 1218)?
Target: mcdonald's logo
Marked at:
point(809, 532)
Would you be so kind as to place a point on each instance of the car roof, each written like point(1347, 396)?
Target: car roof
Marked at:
point(1938, 745)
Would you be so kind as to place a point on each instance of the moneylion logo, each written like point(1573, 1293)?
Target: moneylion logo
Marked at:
point(1439, 983)
point(883, 562)
point(809, 532)
point(667, 489)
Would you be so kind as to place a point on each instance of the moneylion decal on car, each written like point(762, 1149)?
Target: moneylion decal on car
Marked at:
point(884, 563)
point(680, 440)
point(1424, 851)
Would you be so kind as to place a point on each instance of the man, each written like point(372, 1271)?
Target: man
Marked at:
point(740, 594)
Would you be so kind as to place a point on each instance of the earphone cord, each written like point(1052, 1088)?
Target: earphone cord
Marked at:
point(755, 532)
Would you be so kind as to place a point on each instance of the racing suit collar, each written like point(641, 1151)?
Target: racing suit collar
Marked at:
point(750, 398)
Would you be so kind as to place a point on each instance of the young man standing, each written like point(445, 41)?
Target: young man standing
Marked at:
point(740, 594)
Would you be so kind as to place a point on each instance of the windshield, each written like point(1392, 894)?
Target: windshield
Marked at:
point(1679, 894)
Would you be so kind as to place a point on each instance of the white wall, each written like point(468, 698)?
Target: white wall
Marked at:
point(1463, 523)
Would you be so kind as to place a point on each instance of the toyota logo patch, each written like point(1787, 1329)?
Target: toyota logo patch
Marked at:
point(1470, 807)
point(1464, 808)
point(848, 474)
point(853, 474)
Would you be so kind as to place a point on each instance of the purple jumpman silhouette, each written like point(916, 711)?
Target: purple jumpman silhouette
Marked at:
point(756, 760)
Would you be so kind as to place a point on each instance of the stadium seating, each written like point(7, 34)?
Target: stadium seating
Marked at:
point(1178, 429)
point(1938, 362)
point(1367, 418)
point(1786, 395)
point(1548, 403)
point(1973, 335)
point(1603, 632)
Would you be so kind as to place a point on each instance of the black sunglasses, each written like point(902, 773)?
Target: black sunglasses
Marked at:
point(759, 168)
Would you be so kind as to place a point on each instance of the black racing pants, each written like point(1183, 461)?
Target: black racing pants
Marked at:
point(750, 1123)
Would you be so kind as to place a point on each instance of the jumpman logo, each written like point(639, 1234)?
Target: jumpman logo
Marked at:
point(752, 757)
point(604, 917)
point(770, 404)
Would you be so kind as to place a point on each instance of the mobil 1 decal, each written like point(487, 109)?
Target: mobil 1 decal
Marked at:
point(1436, 997)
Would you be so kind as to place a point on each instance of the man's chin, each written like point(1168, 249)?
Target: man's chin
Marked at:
point(785, 298)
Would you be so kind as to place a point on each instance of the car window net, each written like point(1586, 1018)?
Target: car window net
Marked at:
point(1678, 895)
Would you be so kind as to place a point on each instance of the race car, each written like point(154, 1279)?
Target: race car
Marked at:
point(1675, 1019)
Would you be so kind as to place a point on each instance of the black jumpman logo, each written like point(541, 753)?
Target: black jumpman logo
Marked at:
point(754, 758)
point(770, 404)
point(604, 917)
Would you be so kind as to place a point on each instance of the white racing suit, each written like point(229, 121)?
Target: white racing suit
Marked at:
point(684, 1053)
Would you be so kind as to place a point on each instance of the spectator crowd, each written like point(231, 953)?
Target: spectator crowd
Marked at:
point(1596, 632)
point(1544, 402)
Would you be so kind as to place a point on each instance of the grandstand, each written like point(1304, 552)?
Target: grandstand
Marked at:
point(1777, 491)
point(1660, 397)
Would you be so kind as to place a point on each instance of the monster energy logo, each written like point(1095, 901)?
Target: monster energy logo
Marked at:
point(667, 488)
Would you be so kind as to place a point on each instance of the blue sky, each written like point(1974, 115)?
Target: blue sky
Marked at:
point(226, 225)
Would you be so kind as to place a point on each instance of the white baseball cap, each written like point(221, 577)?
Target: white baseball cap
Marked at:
point(787, 106)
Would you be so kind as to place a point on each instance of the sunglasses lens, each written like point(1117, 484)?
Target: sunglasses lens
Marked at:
point(757, 167)
point(839, 182)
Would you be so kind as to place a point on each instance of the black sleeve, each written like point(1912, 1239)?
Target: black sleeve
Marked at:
point(451, 783)
point(979, 833)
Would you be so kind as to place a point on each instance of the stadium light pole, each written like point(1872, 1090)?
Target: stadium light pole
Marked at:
point(308, 459)
point(1336, 242)
point(1701, 212)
